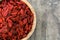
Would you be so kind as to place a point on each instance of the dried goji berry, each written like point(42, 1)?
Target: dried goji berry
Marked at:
point(16, 20)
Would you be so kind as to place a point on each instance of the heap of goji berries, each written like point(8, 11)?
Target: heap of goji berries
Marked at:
point(16, 20)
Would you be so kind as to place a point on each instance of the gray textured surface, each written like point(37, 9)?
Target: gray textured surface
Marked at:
point(48, 19)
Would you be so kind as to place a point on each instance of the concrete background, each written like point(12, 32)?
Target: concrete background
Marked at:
point(48, 19)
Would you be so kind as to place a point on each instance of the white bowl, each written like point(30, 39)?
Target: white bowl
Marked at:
point(34, 21)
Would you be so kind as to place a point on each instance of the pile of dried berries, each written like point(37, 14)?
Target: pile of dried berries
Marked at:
point(16, 20)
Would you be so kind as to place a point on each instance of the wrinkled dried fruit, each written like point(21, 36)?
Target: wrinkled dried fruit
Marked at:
point(16, 20)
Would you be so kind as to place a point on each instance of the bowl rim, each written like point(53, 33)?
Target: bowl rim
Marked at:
point(34, 21)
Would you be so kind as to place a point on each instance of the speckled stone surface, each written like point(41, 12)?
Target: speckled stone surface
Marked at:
point(48, 19)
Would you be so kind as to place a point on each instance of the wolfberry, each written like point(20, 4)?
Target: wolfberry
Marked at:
point(16, 20)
